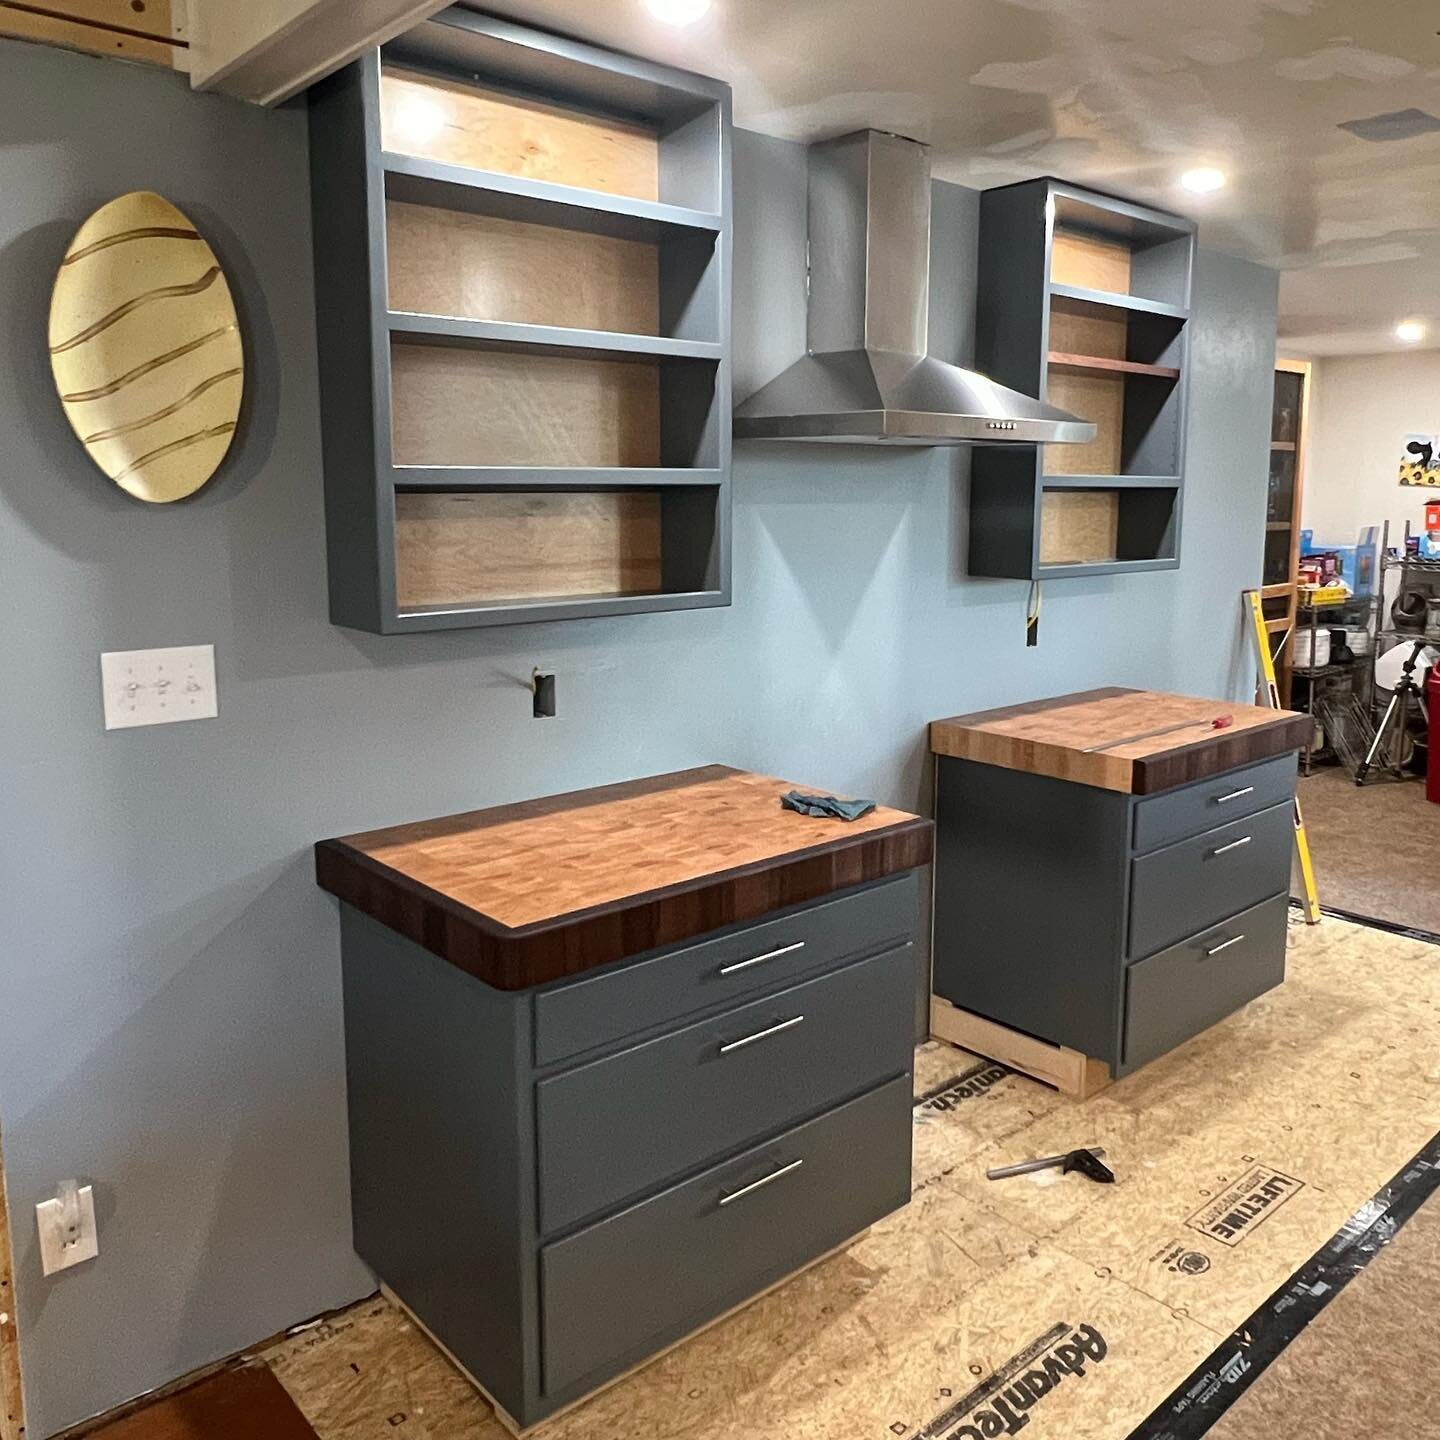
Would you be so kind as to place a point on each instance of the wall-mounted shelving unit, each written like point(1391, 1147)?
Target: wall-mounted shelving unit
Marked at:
point(1085, 302)
point(522, 253)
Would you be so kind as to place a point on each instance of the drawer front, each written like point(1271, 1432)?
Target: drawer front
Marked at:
point(1184, 990)
point(618, 1291)
point(726, 970)
point(1193, 809)
point(620, 1126)
point(1188, 887)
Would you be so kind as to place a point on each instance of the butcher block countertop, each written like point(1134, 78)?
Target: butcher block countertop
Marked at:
point(524, 894)
point(1056, 738)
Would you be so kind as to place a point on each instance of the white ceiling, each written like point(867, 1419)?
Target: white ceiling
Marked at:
point(1122, 94)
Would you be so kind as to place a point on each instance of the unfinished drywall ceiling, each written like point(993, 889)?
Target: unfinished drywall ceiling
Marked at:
point(1122, 94)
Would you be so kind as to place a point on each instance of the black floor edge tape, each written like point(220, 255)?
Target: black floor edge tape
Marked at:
point(1376, 922)
point(1195, 1405)
point(1373, 922)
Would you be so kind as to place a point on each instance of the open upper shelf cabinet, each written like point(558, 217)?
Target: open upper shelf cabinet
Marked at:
point(1085, 302)
point(522, 259)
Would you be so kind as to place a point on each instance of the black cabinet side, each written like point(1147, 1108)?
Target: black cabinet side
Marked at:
point(442, 1151)
point(1030, 902)
point(345, 234)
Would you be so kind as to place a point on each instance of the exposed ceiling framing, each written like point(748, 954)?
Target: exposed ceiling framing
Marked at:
point(263, 51)
point(149, 30)
point(268, 50)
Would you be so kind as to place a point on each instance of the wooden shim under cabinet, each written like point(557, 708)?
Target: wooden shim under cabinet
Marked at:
point(1101, 400)
point(1069, 1071)
point(484, 130)
point(477, 267)
point(459, 548)
point(1079, 527)
point(1093, 261)
point(458, 406)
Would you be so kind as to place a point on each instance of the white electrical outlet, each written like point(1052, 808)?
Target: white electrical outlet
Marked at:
point(67, 1228)
point(158, 687)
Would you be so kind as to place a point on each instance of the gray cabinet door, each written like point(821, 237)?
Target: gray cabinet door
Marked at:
point(619, 1290)
point(1185, 888)
point(1175, 995)
point(632, 1121)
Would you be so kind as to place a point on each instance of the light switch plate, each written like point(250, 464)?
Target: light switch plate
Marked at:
point(158, 687)
point(60, 1245)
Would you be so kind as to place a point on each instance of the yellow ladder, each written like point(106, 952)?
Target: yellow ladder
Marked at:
point(1272, 691)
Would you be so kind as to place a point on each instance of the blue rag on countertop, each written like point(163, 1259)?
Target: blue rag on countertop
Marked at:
point(826, 807)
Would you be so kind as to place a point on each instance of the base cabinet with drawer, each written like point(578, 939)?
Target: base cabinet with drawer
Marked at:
point(1111, 923)
point(560, 1180)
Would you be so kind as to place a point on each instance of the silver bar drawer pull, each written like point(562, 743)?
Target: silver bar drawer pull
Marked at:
point(765, 1034)
point(761, 959)
point(732, 1196)
point(1233, 845)
point(1224, 946)
point(1235, 795)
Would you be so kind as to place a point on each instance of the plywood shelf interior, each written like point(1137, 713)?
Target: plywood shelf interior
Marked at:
point(1109, 300)
point(544, 477)
point(1105, 365)
point(481, 549)
point(1107, 526)
point(558, 339)
point(539, 231)
point(1084, 301)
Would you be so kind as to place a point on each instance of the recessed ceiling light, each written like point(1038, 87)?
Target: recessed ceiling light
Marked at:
point(1410, 332)
point(1204, 179)
point(677, 12)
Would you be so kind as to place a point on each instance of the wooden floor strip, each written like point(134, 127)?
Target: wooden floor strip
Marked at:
point(244, 1402)
point(12, 1397)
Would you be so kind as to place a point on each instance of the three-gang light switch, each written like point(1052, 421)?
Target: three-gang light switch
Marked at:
point(158, 687)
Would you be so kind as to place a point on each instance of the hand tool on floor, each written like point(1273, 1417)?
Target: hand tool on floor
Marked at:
point(1220, 722)
point(1083, 1162)
point(1271, 686)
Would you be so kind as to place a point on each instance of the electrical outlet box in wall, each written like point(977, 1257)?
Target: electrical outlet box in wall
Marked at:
point(68, 1234)
point(158, 687)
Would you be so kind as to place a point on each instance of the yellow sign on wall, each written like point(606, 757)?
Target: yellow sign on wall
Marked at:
point(1420, 461)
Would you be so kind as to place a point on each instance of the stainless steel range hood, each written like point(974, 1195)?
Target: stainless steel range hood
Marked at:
point(867, 378)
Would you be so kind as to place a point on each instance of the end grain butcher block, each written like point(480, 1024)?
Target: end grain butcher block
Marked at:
point(1083, 738)
point(525, 894)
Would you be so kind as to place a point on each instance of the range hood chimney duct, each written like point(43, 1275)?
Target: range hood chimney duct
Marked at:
point(866, 378)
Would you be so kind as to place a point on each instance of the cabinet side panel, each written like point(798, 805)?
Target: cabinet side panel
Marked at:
point(1004, 514)
point(441, 1157)
point(1030, 903)
point(343, 232)
point(1010, 314)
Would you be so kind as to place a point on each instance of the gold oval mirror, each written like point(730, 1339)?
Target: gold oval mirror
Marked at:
point(145, 348)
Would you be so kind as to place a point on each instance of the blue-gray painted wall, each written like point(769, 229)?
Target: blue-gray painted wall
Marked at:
point(169, 981)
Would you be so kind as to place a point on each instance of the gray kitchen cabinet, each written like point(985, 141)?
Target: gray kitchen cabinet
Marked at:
point(1111, 899)
point(597, 1105)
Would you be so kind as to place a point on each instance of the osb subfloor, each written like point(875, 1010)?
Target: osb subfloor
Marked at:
point(1364, 1363)
point(1307, 1102)
point(1376, 848)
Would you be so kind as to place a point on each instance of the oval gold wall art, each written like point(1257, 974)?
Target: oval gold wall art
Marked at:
point(145, 347)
